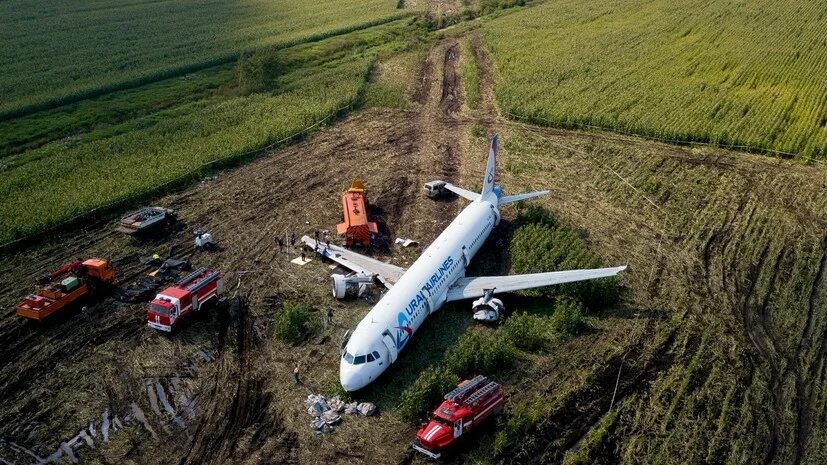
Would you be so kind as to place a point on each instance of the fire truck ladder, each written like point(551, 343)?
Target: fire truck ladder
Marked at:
point(197, 279)
point(482, 392)
point(455, 396)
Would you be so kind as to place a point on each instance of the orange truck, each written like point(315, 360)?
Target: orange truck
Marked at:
point(355, 227)
point(66, 285)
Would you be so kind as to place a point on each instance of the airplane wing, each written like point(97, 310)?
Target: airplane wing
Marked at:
point(387, 273)
point(469, 288)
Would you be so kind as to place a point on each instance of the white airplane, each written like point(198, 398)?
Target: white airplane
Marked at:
point(436, 277)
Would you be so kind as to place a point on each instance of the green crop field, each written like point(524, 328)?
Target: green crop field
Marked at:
point(62, 51)
point(731, 73)
point(137, 141)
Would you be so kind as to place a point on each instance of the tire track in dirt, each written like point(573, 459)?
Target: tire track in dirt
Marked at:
point(438, 133)
point(244, 421)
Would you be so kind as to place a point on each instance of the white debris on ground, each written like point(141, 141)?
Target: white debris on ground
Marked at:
point(327, 413)
point(299, 261)
point(406, 242)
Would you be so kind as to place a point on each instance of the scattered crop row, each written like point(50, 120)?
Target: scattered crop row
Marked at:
point(63, 51)
point(734, 74)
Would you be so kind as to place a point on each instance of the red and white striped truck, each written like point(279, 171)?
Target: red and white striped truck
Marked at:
point(464, 409)
point(188, 295)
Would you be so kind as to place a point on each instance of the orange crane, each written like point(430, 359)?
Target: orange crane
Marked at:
point(355, 228)
point(79, 279)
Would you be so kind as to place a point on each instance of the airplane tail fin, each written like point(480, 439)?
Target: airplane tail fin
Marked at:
point(490, 168)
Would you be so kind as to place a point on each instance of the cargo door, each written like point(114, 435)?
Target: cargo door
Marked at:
point(390, 343)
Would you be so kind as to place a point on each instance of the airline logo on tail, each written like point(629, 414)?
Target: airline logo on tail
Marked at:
point(488, 185)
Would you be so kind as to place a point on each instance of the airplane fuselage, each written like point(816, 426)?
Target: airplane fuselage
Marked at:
point(382, 334)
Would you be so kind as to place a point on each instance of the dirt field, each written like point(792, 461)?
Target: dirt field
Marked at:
point(726, 255)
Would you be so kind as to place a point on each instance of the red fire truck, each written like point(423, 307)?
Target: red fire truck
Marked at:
point(186, 296)
point(463, 410)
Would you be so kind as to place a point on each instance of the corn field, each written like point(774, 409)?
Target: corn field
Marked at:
point(62, 51)
point(730, 73)
point(57, 181)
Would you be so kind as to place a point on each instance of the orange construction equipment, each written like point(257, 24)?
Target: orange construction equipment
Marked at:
point(79, 279)
point(356, 228)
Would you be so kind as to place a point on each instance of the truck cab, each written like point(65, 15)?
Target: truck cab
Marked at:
point(186, 296)
point(462, 410)
point(163, 312)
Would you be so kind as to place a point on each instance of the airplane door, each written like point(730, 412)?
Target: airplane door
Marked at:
point(393, 352)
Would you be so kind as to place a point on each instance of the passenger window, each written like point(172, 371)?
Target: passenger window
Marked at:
point(370, 358)
point(359, 359)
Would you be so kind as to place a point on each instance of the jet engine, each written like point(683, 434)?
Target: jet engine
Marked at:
point(350, 286)
point(487, 308)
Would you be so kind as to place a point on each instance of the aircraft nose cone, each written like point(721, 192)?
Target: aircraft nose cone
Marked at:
point(348, 377)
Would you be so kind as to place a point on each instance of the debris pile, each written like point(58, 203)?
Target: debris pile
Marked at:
point(327, 413)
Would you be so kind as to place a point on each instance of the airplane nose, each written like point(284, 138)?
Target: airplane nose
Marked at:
point(347, 377)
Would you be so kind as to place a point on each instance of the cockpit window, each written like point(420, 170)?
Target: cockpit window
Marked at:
point(376, 355)
point(370, 358)
point(348, 357)
point(359, 359)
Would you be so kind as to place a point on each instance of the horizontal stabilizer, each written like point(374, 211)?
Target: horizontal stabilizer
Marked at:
point(462, 192)
point(469, 288)
point(518, 197)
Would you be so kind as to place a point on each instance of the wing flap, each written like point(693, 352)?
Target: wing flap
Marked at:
point(469, 288)
point(387, 273)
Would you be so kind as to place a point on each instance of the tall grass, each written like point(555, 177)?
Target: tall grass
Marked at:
point(728, 73)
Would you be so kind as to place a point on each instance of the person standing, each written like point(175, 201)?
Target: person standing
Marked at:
point(296, 375)
point(330, 315)
point(293, 239)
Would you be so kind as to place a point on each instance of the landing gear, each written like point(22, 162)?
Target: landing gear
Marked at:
point(487, 308)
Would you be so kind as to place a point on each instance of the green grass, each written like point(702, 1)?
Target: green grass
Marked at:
point(745, 73)
point(470, 74)
point(294, 323)
point(63, 51)
point(77, 119)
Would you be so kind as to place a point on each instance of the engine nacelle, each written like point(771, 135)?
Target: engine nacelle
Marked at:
point(349, 287)
point(487, 309)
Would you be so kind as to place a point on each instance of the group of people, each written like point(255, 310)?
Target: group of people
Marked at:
point(325, 235)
